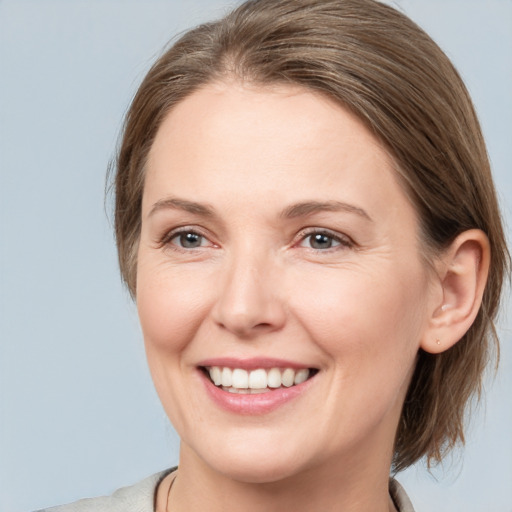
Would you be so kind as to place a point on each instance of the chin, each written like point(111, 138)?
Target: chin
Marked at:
point(252, 464)
point(258, 471)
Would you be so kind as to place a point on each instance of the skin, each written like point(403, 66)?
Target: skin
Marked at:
point(256, 287)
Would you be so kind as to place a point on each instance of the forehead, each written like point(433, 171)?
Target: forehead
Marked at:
point(289, 114)
point(267, 142)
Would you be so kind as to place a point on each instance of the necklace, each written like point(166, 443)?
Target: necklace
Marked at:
point(392, 501)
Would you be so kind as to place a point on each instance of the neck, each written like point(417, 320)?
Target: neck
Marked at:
point(350, 485)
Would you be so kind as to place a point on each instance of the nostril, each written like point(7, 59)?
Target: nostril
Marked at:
point(247, 329)
point(263, 325)
point(246, 324)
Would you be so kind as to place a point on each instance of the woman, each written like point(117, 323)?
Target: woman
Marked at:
point(306, 219)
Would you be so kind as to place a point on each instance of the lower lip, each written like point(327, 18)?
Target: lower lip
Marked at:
point(248, 404)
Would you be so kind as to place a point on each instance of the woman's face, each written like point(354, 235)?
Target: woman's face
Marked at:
point(277, 245)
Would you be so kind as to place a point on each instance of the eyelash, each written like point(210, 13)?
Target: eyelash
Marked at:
point(340, 241)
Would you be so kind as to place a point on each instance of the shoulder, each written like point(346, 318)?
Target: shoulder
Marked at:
point(399, 496)
point(135, 498)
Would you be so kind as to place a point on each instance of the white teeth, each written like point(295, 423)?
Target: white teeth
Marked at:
point(288, 377)
point(258, 379)
point(301, 376)
point(274, 378)
point(245, 391)
point(258, 391)
point(226, 377)
point(238, 380)
point(216, 375)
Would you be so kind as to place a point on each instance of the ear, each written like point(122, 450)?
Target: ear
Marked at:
point(462, 273)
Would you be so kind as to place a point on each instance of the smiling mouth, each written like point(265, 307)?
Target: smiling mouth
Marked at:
point(238, 380)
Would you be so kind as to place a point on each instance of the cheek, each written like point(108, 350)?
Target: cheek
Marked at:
point(366, 321)
point(170, 307)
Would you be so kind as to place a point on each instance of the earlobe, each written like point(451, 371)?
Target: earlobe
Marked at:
point(462, 271)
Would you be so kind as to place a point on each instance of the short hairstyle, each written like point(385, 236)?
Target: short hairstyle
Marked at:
point(374, 61)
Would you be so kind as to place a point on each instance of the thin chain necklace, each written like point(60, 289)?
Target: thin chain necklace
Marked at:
point(172, 483)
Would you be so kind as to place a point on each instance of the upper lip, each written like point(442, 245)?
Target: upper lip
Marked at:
point(252, 363)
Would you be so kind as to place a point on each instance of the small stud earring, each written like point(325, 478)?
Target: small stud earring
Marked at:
point(438, 341)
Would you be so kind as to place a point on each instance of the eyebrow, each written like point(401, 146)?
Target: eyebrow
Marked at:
point(310, 207)
point(302, 209)
point(173, 203)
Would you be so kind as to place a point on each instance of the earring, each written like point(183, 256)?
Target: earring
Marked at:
point(438, 341)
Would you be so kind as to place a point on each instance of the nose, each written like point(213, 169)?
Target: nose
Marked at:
point(249, 301)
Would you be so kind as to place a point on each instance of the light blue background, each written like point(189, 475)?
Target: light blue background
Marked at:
point(78, 414)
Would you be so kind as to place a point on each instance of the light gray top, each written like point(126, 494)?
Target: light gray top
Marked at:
point(399, 497)
point(135, 498)
point(141, 498)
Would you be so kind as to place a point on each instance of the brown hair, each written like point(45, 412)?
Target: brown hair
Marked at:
point(376, 62)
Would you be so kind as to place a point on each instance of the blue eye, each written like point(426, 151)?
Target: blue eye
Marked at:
point(189, 240)
point(321, 241)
